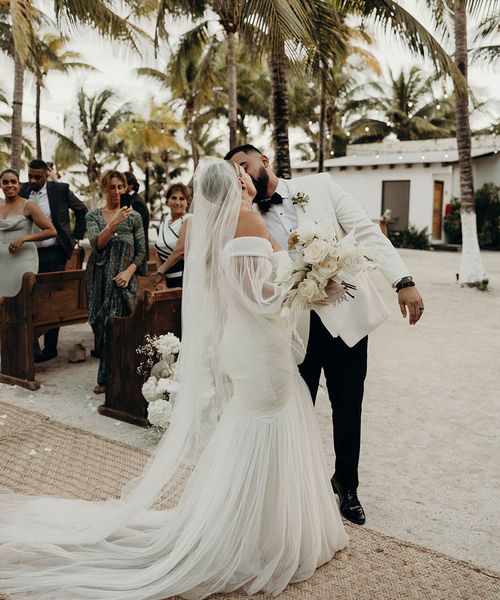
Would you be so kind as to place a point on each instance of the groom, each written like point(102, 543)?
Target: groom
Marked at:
point(337, 337)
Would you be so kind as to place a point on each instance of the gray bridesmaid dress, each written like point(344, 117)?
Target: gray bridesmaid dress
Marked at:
point(13, 266)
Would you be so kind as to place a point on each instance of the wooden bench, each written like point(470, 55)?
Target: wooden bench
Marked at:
point(156, 313)
point(45, 301)
point(76, 260)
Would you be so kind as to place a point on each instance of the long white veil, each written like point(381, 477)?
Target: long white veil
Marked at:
point(41, 527)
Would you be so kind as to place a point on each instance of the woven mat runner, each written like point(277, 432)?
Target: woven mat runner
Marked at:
point(42, 456)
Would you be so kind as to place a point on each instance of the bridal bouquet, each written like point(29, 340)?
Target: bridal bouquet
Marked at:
point(159, 355)
point(322, 267)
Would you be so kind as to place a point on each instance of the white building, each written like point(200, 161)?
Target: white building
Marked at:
point(415, 179)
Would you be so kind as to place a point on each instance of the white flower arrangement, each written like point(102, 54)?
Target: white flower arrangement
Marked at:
point(321, 266)
point(160, 354)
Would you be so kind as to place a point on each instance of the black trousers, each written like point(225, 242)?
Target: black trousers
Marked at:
point(52, 258)
point(345, 373)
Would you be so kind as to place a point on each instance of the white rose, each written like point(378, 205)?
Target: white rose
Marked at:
point(159, 413)
point(306, 232)
point(309, 291)
point(327, 268)
point(316, 251)
point(149, 390)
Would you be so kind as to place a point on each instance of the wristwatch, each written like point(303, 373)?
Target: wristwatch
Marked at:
point(404, 283)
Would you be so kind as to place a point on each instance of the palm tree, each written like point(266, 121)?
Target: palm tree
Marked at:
point(229, 14)
point(22, 15)
point(148, 140)
point(471, 271)
point(193, 81)
point(91, 143)
point(409, 108)
point(48, 53)
point(318, 27)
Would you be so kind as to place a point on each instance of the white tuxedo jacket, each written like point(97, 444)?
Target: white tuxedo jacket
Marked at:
point(328, 202)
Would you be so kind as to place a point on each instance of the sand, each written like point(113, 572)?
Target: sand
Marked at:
point(429, 469)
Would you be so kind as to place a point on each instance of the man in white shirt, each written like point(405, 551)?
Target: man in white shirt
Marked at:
point(338, 336)
point(55, 200)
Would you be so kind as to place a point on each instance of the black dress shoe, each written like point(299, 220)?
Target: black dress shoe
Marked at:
point(350, 506)
point(45, 355)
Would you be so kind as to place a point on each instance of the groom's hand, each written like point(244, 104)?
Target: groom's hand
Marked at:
point(410, 301)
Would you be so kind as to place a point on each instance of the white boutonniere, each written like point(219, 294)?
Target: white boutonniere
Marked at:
point(300, 199)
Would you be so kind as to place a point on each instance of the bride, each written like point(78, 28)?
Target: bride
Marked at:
point(258, 510)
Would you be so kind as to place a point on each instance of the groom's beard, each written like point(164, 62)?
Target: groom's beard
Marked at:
point(261, 183)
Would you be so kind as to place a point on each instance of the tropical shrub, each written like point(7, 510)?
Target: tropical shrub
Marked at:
point(410, 238)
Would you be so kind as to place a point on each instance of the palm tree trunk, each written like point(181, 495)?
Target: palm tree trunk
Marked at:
point(232, 88)
point(17, 113)
point(165, 158)
point(190, 131)
point(38, 93)
point(280, 118)
point(322, 125)
point(471, 267)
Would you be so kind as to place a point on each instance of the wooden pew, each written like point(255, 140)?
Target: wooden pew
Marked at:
point(76, 260)
point(156, 313)
point(45, 301)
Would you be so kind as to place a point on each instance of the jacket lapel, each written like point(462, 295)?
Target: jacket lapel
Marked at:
point(318, 208)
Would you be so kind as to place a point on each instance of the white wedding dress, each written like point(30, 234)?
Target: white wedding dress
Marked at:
point(257, 512)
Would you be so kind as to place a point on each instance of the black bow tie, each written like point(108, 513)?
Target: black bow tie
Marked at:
point(265, 205)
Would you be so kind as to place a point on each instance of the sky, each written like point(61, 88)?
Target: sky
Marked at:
point(114, 68)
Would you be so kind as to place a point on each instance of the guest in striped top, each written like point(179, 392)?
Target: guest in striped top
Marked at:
point(171, 238)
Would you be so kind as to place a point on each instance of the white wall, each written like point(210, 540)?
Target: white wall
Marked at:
point(487, 170)
point(365, 185)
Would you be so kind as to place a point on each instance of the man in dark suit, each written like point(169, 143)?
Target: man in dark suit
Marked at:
point(138, 204)
point(55, 199)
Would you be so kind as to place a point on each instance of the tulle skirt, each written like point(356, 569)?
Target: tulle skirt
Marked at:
point(257, 513)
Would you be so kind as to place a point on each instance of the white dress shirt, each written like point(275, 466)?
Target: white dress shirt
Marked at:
point(281, 219)
point(41, 198)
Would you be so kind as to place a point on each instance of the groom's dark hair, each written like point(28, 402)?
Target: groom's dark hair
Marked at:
point(246, 148)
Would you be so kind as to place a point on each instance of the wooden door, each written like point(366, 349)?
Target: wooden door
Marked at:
point(437, 212)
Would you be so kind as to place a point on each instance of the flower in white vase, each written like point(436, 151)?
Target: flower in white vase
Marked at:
point(159, 413)
point(150, 389)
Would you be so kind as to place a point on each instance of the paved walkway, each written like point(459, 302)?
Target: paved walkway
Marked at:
point(429, 465)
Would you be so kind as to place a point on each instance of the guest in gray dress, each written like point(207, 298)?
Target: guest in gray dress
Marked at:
point(18, 253)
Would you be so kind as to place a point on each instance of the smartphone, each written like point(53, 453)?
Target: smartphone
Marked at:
point(125, 200)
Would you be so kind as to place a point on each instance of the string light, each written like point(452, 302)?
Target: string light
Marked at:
point(348, 133)
point(400, 157)
point(332, 152)
point(377, 155)
point(367, 129)
point(438, 106)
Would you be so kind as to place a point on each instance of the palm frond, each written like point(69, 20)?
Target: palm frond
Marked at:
point(487, 54)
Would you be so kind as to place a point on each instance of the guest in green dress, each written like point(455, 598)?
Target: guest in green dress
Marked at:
point(116, 236)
